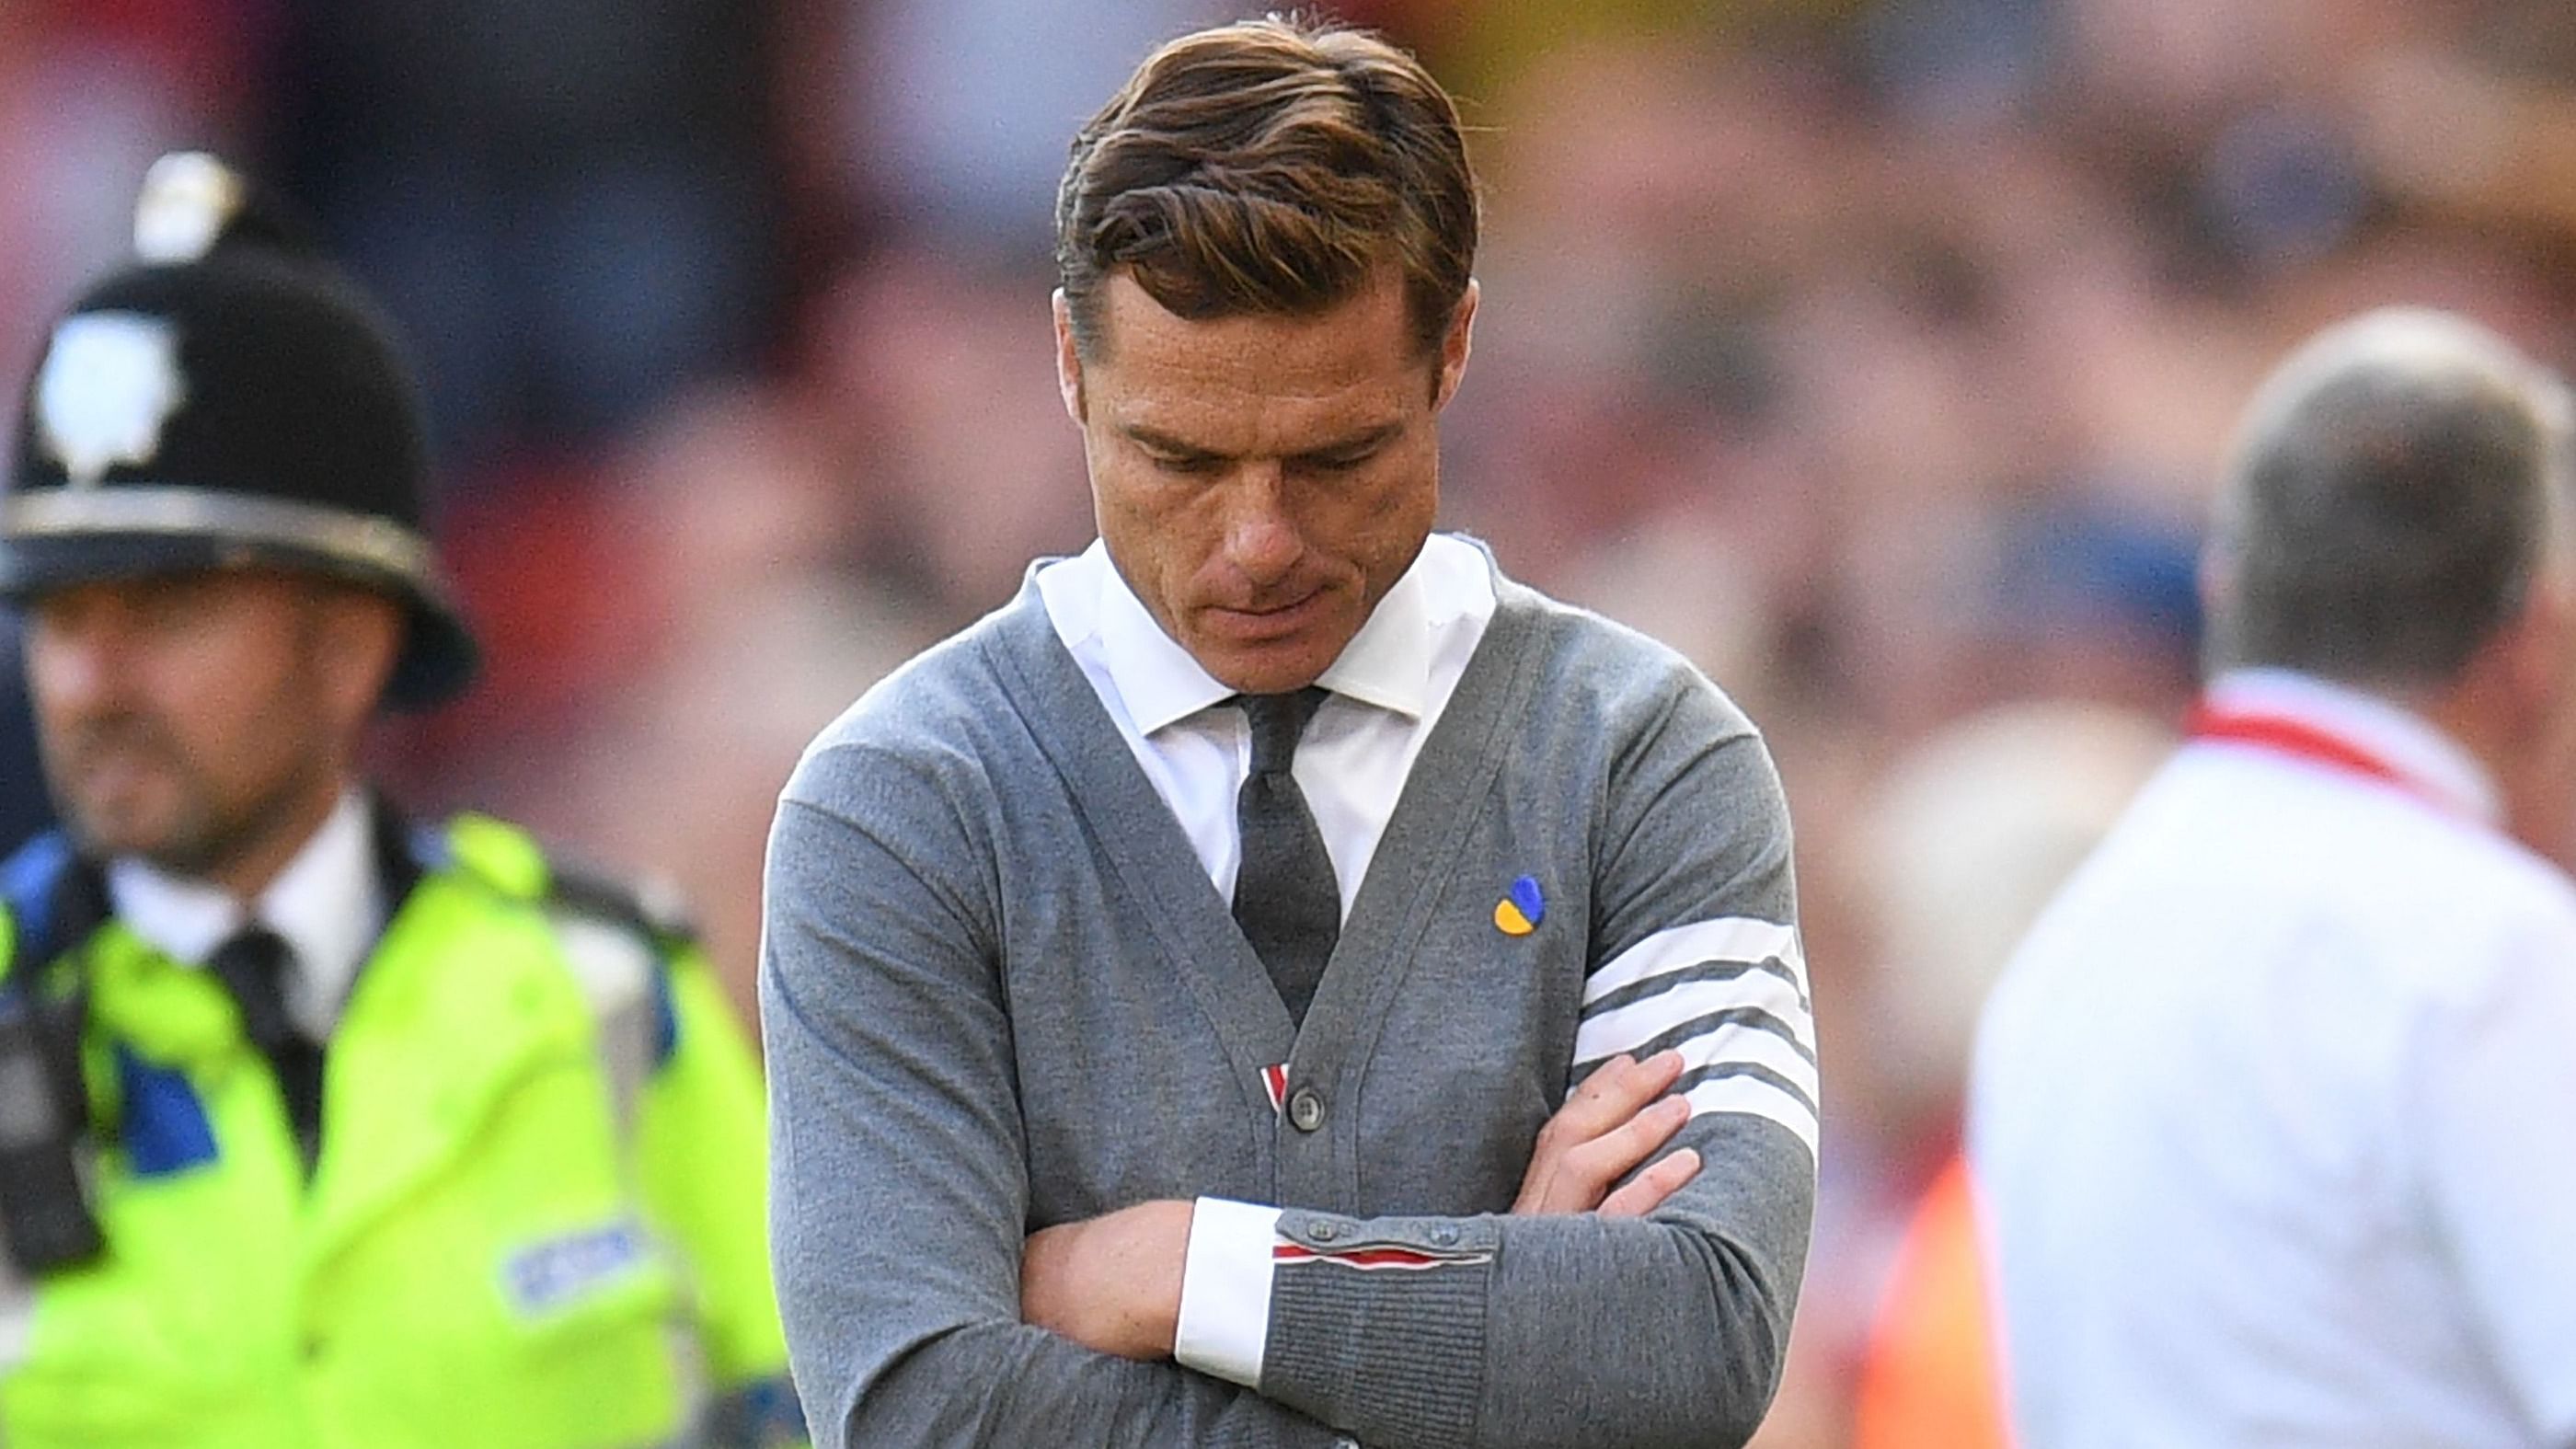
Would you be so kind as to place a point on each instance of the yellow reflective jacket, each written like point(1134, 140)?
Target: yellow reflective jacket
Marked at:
point(537, 1220)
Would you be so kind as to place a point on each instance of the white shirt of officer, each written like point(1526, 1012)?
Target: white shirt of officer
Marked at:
point(328, 905)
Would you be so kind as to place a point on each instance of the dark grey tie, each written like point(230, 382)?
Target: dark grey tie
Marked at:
point(1285, 898)
point(252, 965)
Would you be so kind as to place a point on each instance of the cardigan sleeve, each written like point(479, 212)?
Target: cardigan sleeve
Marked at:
point(1669, 1330)
point(899, 1186)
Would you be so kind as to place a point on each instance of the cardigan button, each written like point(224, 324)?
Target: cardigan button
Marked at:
point(1306, 1110)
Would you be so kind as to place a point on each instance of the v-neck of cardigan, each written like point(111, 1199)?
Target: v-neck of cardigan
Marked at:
point(1137, 833)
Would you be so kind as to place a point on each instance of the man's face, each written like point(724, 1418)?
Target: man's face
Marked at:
point(1262, 481)
point(190, 719)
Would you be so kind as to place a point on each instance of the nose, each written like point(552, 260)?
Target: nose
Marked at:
point(1261, 538)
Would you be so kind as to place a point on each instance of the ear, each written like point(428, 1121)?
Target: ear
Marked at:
point(2537, 645)
point(360, 635)
point(1455, 346)
point(1068, 362)
point(2523, 685)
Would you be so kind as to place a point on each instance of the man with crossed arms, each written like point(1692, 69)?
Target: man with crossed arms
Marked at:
point(1279, 981)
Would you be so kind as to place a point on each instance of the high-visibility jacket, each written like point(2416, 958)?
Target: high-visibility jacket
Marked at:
point(1933, 1377)
point(536, 1221)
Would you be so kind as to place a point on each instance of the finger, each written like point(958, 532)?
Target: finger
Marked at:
point(1607, 1101)
point(1585, 1174)
point(1590, 1097)
point(1613, 1155)
point(1598, 1104)
point(1647, 1191)
point(1613, 1094)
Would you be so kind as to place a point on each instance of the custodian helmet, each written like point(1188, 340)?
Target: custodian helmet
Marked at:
point(229, 400)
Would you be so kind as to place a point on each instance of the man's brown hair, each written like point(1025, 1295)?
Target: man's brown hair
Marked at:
point(1270, 166)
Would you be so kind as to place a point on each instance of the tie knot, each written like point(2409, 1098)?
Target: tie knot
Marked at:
point(253, 948)
point(252, 965)
point(1278, 722)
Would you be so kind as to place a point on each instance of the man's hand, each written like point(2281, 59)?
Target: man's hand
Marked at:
point(1614, 1121)
point(1110, 1283)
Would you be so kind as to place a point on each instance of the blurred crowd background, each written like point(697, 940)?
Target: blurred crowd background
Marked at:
point(1878, 353)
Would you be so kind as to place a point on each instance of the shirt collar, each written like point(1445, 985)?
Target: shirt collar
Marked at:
point(327, 904)
point(2409, 743)
point(181, 918)
point(329, 901)
point(1386, 664)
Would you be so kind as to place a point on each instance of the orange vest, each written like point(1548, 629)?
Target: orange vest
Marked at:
point(1932, 1376)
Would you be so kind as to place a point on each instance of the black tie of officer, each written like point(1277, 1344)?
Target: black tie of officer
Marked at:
point(1285, 898)
point(252, 965)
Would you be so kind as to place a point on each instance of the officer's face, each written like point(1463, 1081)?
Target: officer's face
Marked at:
point(1261, 482)
point(204, 721)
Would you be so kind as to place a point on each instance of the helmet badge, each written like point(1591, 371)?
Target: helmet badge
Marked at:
point(109, 385)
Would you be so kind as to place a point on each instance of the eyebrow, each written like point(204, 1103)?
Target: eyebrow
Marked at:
point(1357, 442)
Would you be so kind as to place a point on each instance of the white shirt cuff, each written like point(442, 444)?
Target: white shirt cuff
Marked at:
point(1225, 1290)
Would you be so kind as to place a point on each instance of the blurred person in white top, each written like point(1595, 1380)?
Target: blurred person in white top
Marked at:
point(2274, 1112)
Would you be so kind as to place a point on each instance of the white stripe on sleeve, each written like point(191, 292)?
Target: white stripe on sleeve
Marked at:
point(1626, 1028)
point(1752, 1046)
point(1722, 993)
point(1729, 938)
point(1755, 1097)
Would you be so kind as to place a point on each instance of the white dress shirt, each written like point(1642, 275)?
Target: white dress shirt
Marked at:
point(2274, 1112)
point(1388, 689)
point(328, 904)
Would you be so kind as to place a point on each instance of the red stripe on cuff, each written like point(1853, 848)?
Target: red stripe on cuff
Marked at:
point(1372, 1257)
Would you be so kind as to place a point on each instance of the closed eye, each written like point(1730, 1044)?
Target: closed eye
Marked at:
point(1333, 462)
point(1349, 453)
point(1194, 465)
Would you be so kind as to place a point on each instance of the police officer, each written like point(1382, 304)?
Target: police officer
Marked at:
point(318, 1127)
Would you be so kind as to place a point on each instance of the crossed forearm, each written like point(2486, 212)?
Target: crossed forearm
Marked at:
point(1113, 1283)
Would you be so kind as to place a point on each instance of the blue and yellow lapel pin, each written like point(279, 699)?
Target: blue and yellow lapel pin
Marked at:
point(1519, 912)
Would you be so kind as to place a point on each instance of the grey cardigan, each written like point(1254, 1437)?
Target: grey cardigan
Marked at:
point(999, 992)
